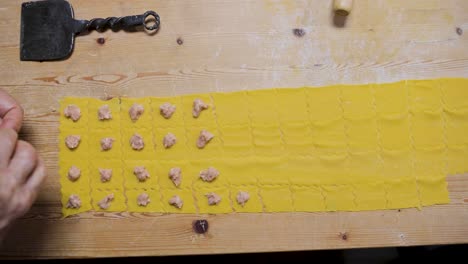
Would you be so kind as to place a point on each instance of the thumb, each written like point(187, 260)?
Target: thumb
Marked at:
point(11, 113)
point(11, 122)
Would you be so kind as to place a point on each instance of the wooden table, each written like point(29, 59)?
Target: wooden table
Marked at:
point(226, 45)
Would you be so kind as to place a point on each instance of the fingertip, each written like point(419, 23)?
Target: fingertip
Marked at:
point(13, 124)
point(11, 112)
point(42, 170)
point(8, 141)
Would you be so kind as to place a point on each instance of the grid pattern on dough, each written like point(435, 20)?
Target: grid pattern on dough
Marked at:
point(341, 147)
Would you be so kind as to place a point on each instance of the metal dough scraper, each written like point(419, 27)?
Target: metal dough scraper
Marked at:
point(48, 28)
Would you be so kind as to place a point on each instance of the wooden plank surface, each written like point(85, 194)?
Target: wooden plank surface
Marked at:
point(232, 45)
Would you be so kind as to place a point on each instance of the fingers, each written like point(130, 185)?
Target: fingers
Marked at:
point(22, 202)
point(11, 113)
point(8, 138)
point(27, 194)
point(24, 161)
point(37, 178)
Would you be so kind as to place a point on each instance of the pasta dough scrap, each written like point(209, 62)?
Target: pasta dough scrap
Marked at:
point(73, 112)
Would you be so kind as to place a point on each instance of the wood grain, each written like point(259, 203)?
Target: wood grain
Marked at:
point(231, 45)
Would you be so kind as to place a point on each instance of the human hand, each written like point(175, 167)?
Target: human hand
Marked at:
point(11, 113)
point(21, 169)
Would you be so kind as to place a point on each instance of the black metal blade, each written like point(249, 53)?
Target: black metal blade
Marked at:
point(46, 30)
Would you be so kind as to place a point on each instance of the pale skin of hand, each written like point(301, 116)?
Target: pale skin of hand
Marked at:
point(21, 169)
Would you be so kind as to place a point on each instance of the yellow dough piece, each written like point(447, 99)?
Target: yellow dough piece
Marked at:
point(335, 148)
point(277, 198)
point(312, 194)
point(370, 196)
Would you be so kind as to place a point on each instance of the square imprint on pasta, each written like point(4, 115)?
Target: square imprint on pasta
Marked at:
point(84, 196)
point(187, 197)
point(118, 204)
point(131, 181)
point(154, 205)
point(276, 198)
point(223, 207)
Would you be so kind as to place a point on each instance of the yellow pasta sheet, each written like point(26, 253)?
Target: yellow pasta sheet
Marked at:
point(341, 147)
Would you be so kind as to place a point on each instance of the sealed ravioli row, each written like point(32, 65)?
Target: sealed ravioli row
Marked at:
point(336, 169)
point(90, 113)
point(269, 198)
point(268, 107)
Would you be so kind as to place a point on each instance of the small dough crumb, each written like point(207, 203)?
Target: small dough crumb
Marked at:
point(169, 140)
point(106, 174)
point(143, 199)
point(176, 201)
point(242, 197)
point(136, 110)
point(198, 106)
point(106, 143)
point(73, 112)
point(104, 113)
point(176, 176)
point(106, 201)
point(204, 138)
point(72, 141)
point(74, 202)
point(141, 173)
point(136, 141)
point(213, 198)
point(167, 110)
point(74, 173)
point(209, 174)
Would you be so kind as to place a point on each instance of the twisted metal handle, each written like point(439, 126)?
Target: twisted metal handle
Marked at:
point(118, 23)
